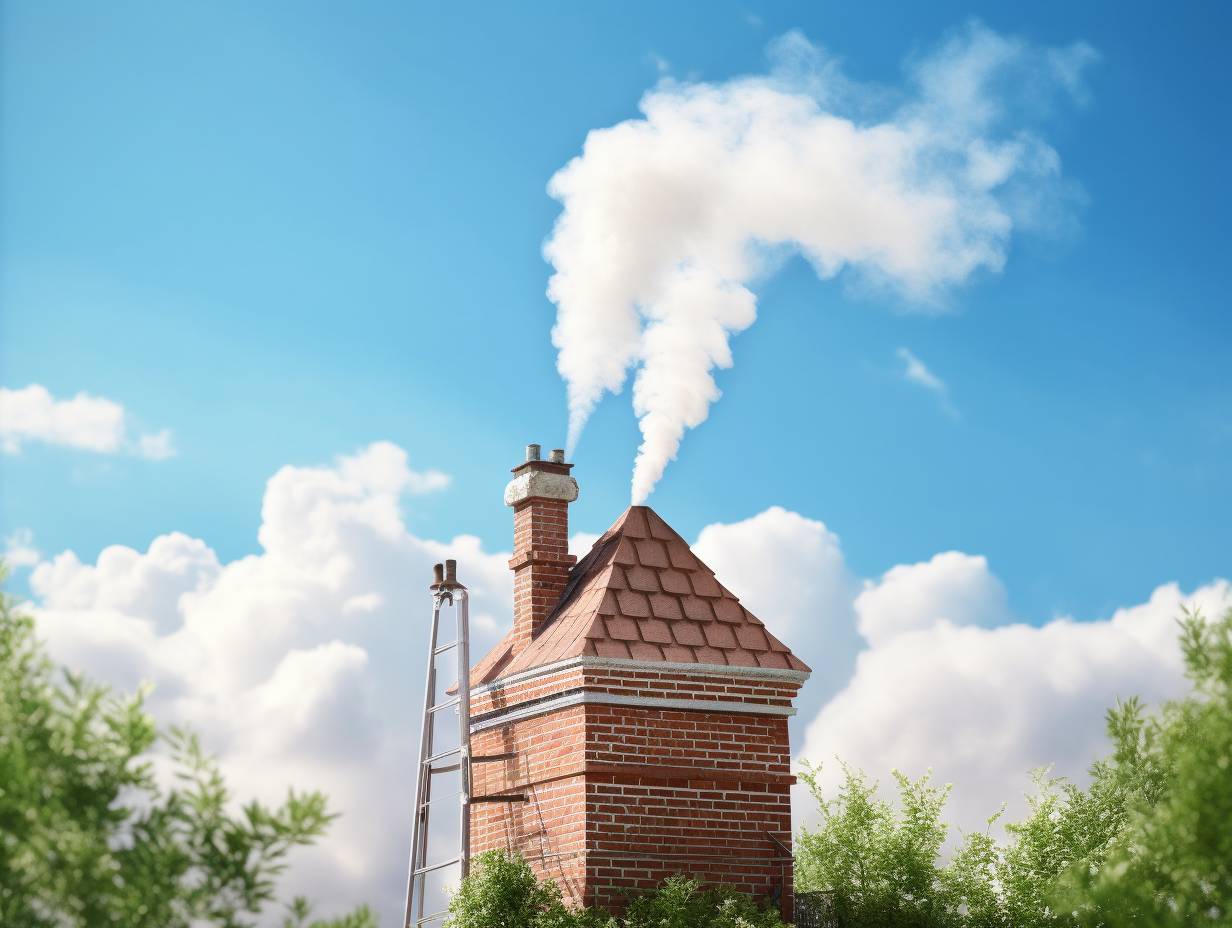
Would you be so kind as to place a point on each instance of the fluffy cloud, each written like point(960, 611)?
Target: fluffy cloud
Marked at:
point(951, 587)
point(949, 682)
point(302, 663)
point(670, 219)
point(928, 667)
point(84, 422)
point(790, 572)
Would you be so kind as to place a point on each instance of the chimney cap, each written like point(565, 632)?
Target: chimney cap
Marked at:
point(555, 463)
point(535, 478)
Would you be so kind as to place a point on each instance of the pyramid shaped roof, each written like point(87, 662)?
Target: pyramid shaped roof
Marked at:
point(641, 594)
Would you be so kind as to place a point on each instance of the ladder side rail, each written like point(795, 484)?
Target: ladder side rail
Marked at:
point(423, 780)
point(464, 728)
point(428, 739)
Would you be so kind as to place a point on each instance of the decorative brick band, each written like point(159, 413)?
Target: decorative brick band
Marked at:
point(619, 663)
point(657, 775)
point(578, 697)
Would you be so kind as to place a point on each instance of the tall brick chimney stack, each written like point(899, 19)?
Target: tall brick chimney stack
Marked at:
point(540, 493)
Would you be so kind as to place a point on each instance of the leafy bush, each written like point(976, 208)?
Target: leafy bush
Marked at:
point(503, 892)
point(878, 864)
point(682, 903)
point(1148, 842)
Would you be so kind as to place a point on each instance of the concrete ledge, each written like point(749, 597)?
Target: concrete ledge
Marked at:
point(620, 663)
point(579, 697)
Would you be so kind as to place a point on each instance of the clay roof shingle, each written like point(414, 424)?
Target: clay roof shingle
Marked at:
point(641, 593)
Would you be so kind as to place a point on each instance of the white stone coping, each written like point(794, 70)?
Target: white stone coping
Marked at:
point(589, 662)
point(578, 697)
point(540, 483)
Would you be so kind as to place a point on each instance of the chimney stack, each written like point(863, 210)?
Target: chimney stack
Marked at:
point(540, 493)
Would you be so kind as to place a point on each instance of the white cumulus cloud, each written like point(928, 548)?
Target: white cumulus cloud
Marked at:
point(950, 682)
point(669, 220)
point(790, 572)
point(303, 662)
point(83, 422)
point(951, 587)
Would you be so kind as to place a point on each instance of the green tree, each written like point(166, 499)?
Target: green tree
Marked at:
point(89, 838)
point(1170, 862)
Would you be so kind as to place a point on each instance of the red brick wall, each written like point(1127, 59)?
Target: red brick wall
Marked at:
point(623, 796)
point(540, 564)
point(549, 829)
point(691, 792)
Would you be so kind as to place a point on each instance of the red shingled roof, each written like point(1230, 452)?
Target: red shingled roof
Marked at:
point(642, 594)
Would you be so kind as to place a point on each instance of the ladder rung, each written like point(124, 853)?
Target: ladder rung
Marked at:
point(445, 705)
point(512, 797)
point(447, 863)
point(435, 757)
point(450, 769)
point(448, 797)
point(433, 917)
point(489, 758)
point(445, 647)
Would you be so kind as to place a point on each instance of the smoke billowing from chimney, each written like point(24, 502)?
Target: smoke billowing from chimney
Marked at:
point(670, 218)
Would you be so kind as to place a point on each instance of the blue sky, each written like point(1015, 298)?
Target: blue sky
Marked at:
point(285, 232)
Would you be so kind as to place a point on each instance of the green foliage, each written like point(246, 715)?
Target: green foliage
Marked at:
point(879, 864)
point(883, 864)
point(503, 892)
point(1148, 842)
point(88, 837)
point(682, 903)
point(299, 915)
point(1171, 861)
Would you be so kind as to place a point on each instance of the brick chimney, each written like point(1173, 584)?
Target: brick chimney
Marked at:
point(540, 493)
point(643, 732)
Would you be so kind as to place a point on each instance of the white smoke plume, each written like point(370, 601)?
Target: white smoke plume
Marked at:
point(669, 219)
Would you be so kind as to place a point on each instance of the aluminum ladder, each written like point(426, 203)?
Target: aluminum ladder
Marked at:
point(446, 591)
